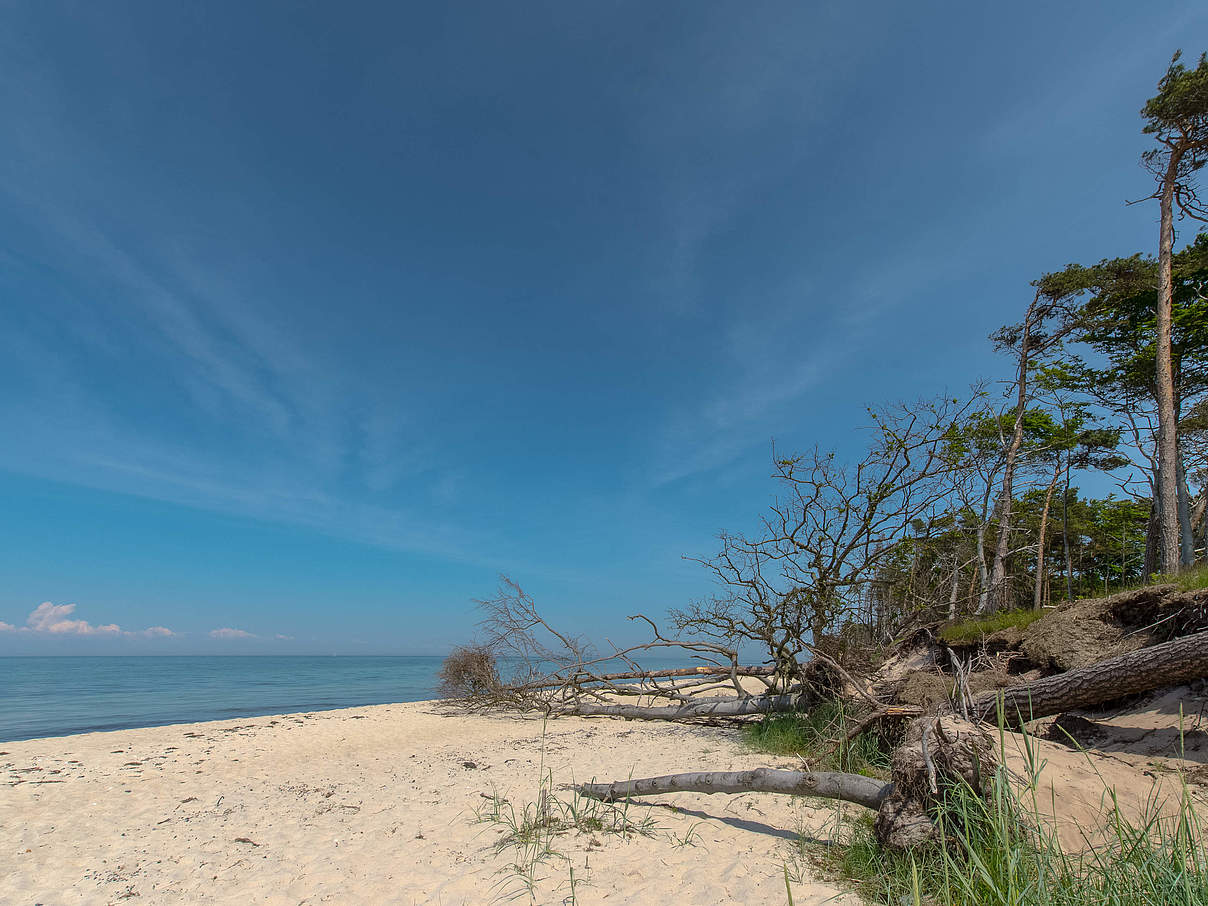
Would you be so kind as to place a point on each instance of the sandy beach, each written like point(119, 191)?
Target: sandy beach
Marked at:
point(380, 805)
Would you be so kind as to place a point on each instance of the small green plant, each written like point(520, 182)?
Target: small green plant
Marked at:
point(689, 838)
point(973, 630)
point(530, 831)
point(819, 737)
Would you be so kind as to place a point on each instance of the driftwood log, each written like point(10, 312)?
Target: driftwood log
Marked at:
point(700, 708)
point(866, 791)
point(940, 751)
point(937, 752)
point(651, 674)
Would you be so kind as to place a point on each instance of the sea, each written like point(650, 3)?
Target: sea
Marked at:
point(58, 696)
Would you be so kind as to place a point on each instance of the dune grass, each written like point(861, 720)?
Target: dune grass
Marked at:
point(1001, 853)
point(812, 736)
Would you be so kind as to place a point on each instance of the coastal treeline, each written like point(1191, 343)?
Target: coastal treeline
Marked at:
point(1080, 468)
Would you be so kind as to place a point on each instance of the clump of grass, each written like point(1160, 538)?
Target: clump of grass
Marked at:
point(812, 735)
point(1192, 579)
point(529, 832)
point(972, 630)
point(1001, 853)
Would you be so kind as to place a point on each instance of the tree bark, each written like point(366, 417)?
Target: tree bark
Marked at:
point(998, 574)
point(856, 788)
point(1169, 664)
point(954, 592)
point(1065, 533)
point(651, 674)
point(1187, 539)
point(707, 707)
point(1168, 437)
point(1038, 591)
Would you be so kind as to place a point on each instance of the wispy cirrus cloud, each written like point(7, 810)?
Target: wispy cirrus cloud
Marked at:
point(226, 632)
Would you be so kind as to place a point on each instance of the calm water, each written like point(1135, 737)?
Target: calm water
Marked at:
point(54, 696)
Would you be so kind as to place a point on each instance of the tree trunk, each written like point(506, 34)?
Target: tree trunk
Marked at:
point(1169, 664)
point(1038, 592)
point(1168, 436)
point(983, 594)
point(1153, 540)
point(954, 592)
point(856, 788)
point(1065, 533)
point(1187, 539)
point(937, 754)
point(940, 751)
point(587, 678)
point(998, 574)
point(705, 708)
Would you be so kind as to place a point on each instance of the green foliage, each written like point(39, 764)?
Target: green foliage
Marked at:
point(813, 734)
point(1115, 317)
point(1181, 104)
point(973, 630)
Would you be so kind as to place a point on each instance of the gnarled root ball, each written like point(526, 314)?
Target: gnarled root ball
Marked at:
point(938, 753)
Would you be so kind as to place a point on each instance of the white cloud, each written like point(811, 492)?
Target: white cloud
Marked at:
point(56, 619)
point(284, 638)
point(227, 633)
point(53, 618)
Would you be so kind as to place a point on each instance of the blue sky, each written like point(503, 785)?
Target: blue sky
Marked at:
point(319, 316)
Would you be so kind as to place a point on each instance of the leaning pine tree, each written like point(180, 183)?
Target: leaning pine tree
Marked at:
point(1177, 117)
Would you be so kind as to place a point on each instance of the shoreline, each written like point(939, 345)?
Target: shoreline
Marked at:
point(379, 803)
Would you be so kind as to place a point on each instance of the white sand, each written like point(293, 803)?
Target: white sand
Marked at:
point(377, 805)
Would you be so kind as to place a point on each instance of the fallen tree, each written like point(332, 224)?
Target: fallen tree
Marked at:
point(525, 663)
point(942, 750)
point(699, 708)
point(938, 752)
point(866, 791)
point(1169, 664)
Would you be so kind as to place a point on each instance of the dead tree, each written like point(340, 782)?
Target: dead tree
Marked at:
point(941, 751)
point(807, 571)
point(554, 672)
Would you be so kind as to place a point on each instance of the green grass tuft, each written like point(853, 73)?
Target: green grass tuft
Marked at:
point(1193, 579)
point(811, 733)
point(972, 630)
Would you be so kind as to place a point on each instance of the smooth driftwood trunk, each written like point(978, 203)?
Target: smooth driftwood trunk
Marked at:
point(937, 752)
point(706, 707)
point(1168, 664)
point(648, 674)
point(856, 788)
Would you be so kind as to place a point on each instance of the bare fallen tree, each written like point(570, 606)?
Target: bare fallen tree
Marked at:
point(534, 666)
point(942, 750)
